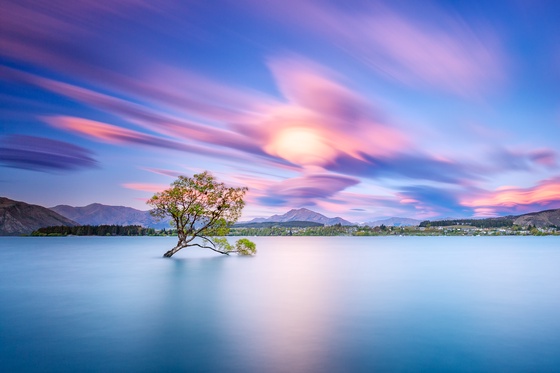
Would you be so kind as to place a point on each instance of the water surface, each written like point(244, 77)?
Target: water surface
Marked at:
point(302, 304)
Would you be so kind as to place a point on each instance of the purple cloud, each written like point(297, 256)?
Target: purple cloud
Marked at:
point(43, 154)
point(402, 165)
point(445, 53)
point(434, 201)
point(305, 190)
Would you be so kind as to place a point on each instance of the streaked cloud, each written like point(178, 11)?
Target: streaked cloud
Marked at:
point(43, 154)
point(442, 52)
point(516, 200)
point(113, 134)
point(305, 190)
point(146, 187)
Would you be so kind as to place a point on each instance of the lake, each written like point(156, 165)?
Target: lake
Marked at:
point(302, 304)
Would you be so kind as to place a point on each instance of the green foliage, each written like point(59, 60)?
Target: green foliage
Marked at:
point(502, 222)
point(360, 231)
point(200, 207)
point(281, 230)
point(95, 230)
point(245, 247)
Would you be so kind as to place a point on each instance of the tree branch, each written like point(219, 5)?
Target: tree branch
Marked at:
point(212, 248)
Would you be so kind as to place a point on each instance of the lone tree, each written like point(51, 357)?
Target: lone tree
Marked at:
point(204, 209)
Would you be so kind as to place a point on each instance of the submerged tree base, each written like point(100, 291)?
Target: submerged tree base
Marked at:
point(220, 245)
point(170, 253)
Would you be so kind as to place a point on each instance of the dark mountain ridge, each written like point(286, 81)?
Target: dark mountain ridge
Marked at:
point(98, 214)
point(541, 219)
point(17, 218)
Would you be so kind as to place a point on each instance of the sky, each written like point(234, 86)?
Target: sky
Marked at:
point(357, 109)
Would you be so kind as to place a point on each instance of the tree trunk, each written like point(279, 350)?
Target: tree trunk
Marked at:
point(170, 253)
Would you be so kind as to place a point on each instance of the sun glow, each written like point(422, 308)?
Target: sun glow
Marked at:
point(301, 145)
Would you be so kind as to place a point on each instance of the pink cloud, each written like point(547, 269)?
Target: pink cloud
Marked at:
point(146, 187)
point(544, 157)
point(152, 118)
point(447, 53)
point(322, 119)
point(160, 171)
point(112, 134)
point(546, 194)
point(308, 188)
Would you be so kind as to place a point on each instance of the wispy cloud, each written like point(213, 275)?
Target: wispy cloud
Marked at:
point(113, 134)
point(434, 201)
point(514, 200)
point(441, 52)
point(146, 187)
point(305, 190)
point(43, 154)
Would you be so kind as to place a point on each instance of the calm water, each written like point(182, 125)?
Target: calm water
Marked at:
point(302, 304)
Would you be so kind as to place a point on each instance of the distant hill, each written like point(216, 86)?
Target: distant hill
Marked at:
point(98, 214)
point(540, 219)
point(394, 222)
point(302, 214)
point(284, 224)
point(17, 218)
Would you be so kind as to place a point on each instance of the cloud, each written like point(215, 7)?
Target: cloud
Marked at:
point(112, 134)
point(86, 38)
point(443, 52)
point(544, 157)
point(43, 154)
point(403, 165)
point(160, 171)
point(305, 190)
point(515, 200)
point(521, 159)
point(151, 118)
point(145, 187)
point(322, 119)
point(434, 201)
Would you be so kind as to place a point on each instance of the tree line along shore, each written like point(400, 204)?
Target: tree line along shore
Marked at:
point(301, 229)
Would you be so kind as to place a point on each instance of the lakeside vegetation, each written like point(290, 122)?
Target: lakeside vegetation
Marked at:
point(451, 230)
point(466, 227)
point(101, 230)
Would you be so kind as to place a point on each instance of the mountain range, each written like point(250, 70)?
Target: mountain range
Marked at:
point(98, 214)
point(17, 218)
point(394, 222)
point(302, 214)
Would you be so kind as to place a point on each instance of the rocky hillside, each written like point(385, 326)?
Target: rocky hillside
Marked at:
point(17, 218)
point(98, 214)
point(540, 219)
point(302, 214)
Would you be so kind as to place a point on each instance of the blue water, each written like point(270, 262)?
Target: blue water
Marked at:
point(302, 304)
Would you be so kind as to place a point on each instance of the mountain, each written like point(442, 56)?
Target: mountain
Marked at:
point(98, 214)
point(302, 214)
point(540, 219)
point(285, 224)
point(394, 222)
point(17, 218)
